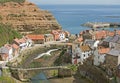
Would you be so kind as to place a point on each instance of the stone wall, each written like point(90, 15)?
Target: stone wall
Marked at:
point(64, 73)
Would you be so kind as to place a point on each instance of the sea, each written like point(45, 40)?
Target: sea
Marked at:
point(71, 17)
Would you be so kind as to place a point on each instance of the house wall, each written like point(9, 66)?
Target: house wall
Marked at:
point(4, 57)
point(62, 36)
point(118, 60)
point(56, 37)
point(81, 55)
point(10, 53)
point(49, 38)
point(76, 52)
point(39, 41)
point(98, 58)
point(112, 45)
point(29, 43)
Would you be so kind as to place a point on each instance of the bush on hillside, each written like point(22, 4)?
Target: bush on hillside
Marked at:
point(18, 1)
point(7, 34)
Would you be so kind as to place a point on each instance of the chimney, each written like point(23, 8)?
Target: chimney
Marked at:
point(115, 32)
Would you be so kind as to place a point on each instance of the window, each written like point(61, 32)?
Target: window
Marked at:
point(84, 55)
point(98, 57)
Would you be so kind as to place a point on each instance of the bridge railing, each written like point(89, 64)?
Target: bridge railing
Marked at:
point(40, 68)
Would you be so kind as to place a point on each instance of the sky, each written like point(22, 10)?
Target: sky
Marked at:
point(107, 2)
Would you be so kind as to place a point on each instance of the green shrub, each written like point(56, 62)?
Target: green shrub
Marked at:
point(7, 34)
point(18, 1)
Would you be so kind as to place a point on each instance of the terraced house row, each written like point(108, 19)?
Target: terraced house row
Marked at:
point(102, 45)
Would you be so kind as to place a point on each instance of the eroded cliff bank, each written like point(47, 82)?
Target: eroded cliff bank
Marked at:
point(26, 17)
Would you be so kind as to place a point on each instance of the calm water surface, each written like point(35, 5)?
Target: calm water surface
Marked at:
point(72, 16)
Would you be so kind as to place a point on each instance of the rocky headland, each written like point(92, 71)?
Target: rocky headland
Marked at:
point(26, 17)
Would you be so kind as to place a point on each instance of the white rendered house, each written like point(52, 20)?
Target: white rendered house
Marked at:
point(80, 53)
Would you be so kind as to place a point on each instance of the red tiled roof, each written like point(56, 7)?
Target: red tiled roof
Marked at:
point(15, 46)
point(103, 50)
point(36, 37)
point(8, 46)
point(55, 32)
point(22, 40)
point(67, 33)
point(80, 39)
point(81, 32)
point(56, 36)
point(100, 34)
point(16, 40)
point(118, 32)
point(111, 33)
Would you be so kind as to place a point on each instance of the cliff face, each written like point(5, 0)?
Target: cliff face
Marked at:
point(27, 17)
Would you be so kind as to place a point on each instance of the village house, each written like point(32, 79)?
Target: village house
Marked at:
point(89, 42)
point(69, 48)
point(92, 32)
point(86, 35)
point(112, 60)
point(115, 42)
point(20, 42)
point(59, 35)
point(79, 40)
point(99, 55)
point(96, 43)
point(112, 41)
point(67, 34)
point(110, 33)
point(49, 37)
point(100, 34)
point(28, 41)
point(105, 42)
point(62, 35)
point(16, 49)
point(80, 53)
point(6, 52)
point(10, 49)
point(55, 34)
point(37, 39)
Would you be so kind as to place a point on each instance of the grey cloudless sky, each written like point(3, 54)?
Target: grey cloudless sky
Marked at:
point(107, 2)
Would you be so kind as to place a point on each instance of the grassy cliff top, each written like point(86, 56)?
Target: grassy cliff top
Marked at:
point(19, 1)
point(7, 34)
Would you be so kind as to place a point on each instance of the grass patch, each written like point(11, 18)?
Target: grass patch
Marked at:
point(18, 1)
point(7, 34)
point(5, 79)
point(73, 67)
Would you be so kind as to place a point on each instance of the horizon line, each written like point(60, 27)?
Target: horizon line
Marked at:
point(74, 4)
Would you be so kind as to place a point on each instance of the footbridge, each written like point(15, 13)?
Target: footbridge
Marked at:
point(40, 68)
point(24, 74)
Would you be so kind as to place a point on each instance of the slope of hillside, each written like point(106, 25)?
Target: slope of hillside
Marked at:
point(27, 17)
point(4, 1)
point(7, 34)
